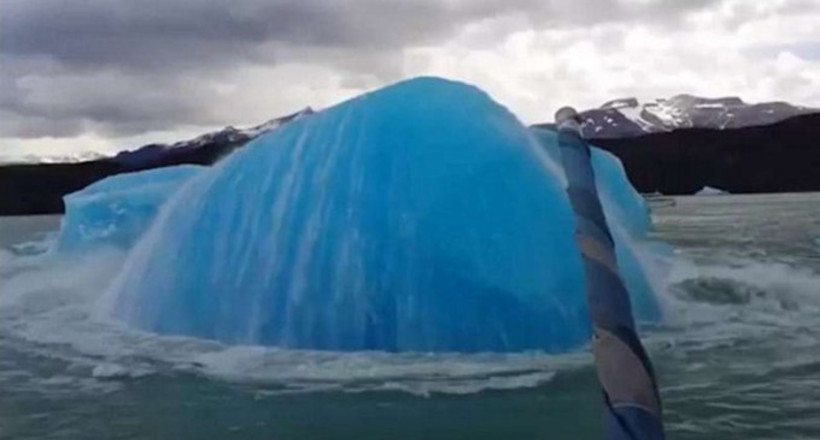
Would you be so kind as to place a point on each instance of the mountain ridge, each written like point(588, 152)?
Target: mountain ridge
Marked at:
point(777, 156)
point(229, 134)
point(780, 157)
point(628, 117)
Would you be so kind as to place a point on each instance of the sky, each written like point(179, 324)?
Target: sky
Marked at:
point(108, 75)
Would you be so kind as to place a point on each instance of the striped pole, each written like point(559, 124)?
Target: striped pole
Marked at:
point(632, 404)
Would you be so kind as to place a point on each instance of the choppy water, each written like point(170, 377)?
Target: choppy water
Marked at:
point(739, 356)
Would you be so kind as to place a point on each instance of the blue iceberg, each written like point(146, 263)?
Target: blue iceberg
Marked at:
point(116, 210)
point(642, 262)
point(420, 217)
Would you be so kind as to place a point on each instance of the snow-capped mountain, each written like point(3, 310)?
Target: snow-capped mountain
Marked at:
point(39, 188)
point(231, 134)
point(222, 140)
point(227, 136)
point(275, 123)
point(629, 118)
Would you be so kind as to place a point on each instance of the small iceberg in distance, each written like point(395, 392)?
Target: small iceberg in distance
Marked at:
point(117, 210)
point(710, 191)
point(420, 217)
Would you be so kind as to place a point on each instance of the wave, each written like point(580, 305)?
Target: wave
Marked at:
point(48, 310)
point(746, 281)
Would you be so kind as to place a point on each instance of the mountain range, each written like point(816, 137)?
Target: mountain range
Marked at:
point(673, 146)
point(627, 117)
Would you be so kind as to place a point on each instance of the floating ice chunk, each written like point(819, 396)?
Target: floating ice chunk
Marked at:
point(710, 191)
point(117, 210)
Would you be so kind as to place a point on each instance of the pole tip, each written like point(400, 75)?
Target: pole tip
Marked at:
point(565, 114)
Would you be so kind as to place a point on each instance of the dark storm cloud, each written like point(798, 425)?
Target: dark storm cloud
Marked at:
point(156, 33)
point(126, 67)
point(175, 34)
point(109, 104)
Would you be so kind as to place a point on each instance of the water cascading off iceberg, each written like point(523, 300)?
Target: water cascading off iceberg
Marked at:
point(422, 216)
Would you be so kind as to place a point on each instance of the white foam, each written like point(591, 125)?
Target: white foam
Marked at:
point(783, 280)
point(112, 371)
point(472, 386)
point(47, 304)
point(420, 373)
point(44, 278)
point(48, 308)
point(704, 326)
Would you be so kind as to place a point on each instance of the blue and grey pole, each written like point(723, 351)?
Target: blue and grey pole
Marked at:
point(632, 404)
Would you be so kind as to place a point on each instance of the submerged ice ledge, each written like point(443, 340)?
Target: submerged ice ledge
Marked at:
point(419, 217)
point(117, 210)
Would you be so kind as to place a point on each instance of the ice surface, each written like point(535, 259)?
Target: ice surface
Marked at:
point(420, 217)
point(642, 262)
point(117, 210)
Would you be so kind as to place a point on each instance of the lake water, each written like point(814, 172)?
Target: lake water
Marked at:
point(738, 356)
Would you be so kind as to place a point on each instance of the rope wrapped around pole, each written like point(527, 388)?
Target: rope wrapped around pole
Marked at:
point(632, 406)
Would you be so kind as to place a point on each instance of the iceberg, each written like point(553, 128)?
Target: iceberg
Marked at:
point(116, 211)
point(643, 263)
point(710, 191)
point(419, 217)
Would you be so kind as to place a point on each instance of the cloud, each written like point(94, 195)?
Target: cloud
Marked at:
point(119, 68)
point(184, 34)
point(546, 69)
